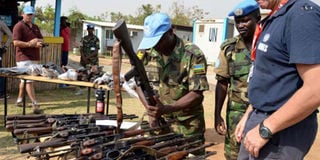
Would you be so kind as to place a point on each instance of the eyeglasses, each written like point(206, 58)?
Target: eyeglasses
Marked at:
point(30, 14)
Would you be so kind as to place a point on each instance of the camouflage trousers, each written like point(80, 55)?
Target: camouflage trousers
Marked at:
point(235, 111)
point(192, 125)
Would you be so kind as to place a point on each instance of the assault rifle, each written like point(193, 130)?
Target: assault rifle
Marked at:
point(179, 155)
point(120, 31)
point(161, 152)
point(55, 142)
point(34, 121)
point(32, 118)
point(125, 134)
point(126, 144)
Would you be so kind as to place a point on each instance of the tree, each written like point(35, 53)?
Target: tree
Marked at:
point(118, 16)
point(75, 18)
point(179, 15)
point(185, 16)
point(143, 12)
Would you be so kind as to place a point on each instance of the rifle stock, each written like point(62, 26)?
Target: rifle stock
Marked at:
point(38, 130)
point(138, 71)
point(179, 155)
point(55, 142)
point(24, 148)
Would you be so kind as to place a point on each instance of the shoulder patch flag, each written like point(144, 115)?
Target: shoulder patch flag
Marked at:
point(199, 69)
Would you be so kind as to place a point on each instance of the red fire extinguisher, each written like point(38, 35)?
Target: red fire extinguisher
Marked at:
point(100, 96)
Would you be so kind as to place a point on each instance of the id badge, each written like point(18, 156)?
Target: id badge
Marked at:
point(92, 48)
point(250, 72)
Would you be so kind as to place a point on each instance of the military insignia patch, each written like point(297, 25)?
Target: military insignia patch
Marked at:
point(199, 69)
point(140, 54)
point(238, 12)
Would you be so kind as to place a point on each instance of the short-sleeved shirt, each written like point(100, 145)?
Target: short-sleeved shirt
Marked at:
point(291, 36)
point(90, 43)
point(178, 74)
point(65, 33)
point(233, 64)
point(25, 33)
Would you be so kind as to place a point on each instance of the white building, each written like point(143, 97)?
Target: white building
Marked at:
point(103, 30)
point(209, 34)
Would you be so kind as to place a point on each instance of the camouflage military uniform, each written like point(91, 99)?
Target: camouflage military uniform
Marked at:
point(183, 71)
point(87, 43)
point(233, 64)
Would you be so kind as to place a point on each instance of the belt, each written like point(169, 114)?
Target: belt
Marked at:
point(258, 111)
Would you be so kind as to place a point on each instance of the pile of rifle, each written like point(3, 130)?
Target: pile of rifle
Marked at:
point(75, 136)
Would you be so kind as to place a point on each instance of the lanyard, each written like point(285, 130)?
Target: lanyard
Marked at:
point(259, 29)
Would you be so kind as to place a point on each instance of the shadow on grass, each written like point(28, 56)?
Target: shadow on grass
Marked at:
point(8, 147)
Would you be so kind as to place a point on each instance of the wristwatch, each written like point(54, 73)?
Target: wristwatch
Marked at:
point(264, 131)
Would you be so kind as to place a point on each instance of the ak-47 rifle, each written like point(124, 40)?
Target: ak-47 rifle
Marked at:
point(62, 141)
point(125, 134)
point(166, 150)
point(43, 125)
point(120, 31)
point(179, 155)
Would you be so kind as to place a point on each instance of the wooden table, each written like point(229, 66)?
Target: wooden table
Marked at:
point(89, 85)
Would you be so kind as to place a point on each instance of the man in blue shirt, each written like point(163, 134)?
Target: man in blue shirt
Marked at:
point(282, 90)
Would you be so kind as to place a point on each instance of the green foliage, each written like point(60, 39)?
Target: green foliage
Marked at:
point(44, 17)
point(185, 16)
point(75, 18)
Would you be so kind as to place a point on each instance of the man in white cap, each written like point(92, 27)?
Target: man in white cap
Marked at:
point(181, 69)
point(27, 39)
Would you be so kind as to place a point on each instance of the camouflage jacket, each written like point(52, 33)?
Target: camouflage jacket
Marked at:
point(90, 43)
point(183, 71)
point(234, 64)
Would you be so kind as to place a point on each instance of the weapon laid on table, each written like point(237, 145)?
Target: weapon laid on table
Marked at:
point(126, 144)
point(11, 127)
point(44, 116)
point(120, 31)
point(171, 149)
point(17, 119)
point(174, 142)
point(55, 142)
point(19, 126)
point(167, 148)
point(125, 134)
point(179, 155)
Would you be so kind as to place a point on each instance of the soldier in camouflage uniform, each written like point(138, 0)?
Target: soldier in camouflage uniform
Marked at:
point(180, 70)
point(90, 45)
point(89, 59)
point(232, 70)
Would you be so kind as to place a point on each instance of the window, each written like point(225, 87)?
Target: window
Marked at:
point(109, 34)
point(213, 32)
point(201, 28)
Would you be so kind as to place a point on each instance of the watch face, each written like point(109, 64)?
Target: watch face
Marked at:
point(264, 133)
